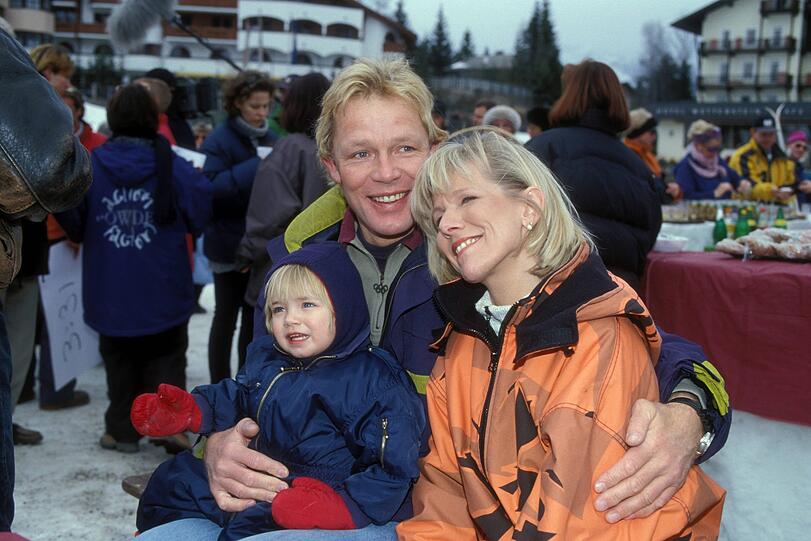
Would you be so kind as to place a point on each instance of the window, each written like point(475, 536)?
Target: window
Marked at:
point(67, 46)
point(266, 24)
point(303, 26)
point(180, 52)
point(748, 70)
point(220, 53)
point(103, 50)
point(186, 18)
point(746, 98)
point(44, 5)
point(64, 15)
point(774, 72)
point(777, 37)
point(342, 31)
point(751, 36)
point(32, 39)
point(222, 21)
point(302, 58)
point(257, 54)
point(100, 18)
point(725, 42)
point(724, 75)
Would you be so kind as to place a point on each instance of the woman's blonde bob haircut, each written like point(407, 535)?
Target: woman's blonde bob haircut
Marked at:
point(365, 78)
point(556, 236)
point(294, 282)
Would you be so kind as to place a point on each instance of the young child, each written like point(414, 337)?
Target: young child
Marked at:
point(341, 415)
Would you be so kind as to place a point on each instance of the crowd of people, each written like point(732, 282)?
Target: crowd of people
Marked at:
point(439, 336)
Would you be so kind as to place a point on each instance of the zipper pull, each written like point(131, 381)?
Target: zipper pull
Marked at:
point(384, 423)
point(493, 363)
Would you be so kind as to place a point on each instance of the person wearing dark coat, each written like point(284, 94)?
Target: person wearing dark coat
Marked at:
point(287, 181)
point(231, 163)
point(343, 416)
point(178, 125)
point(611, 188)
point(137, 282)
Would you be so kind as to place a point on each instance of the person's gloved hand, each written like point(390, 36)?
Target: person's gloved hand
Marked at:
point(309, 504)
point(169, 411)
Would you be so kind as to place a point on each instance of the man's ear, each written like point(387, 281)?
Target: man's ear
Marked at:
point(332, 169)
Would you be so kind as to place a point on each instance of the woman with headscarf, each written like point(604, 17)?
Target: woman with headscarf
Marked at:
point(702, 174)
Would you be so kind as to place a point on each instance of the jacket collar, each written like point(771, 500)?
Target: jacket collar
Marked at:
point(777, 152)
point(547, 318)
point(348, 232)
point(594, 119)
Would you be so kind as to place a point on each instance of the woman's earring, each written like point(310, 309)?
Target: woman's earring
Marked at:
point(529, 227)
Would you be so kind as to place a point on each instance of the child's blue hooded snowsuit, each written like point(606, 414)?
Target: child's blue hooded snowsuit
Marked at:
point(349, 417)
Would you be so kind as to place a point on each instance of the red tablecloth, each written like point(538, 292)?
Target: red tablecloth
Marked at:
point(753, 319)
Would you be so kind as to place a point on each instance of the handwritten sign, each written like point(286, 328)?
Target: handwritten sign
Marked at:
point(74, 345)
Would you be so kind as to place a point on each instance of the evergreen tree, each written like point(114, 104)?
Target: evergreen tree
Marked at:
point(420, 58)
point(466, 49)
point(441, 54)
point(537, 57)
point(400, 14)
point(666, 74)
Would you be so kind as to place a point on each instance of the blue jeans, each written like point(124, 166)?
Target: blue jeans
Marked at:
point(201, 529)
point(6, 443)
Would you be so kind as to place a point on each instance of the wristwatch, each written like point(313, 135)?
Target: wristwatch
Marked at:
point(706, 422)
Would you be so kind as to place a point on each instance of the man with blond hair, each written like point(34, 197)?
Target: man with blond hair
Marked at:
point(374, 133)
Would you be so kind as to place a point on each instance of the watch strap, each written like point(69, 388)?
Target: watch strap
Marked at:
point(703, 414)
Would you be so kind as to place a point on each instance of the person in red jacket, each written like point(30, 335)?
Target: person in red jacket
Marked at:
point(75, 101)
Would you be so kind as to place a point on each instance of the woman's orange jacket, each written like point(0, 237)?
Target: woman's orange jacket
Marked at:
point(522, 424)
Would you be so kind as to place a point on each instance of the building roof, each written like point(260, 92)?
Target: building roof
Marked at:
point(731, 113)
point(692, 22)
point(409, 36)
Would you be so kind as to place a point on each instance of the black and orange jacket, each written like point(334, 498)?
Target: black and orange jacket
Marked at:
point(523, 423)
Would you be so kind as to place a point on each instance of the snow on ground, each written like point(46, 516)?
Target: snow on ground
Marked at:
point(70, 488)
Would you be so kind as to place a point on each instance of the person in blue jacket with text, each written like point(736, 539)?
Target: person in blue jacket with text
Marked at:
point(137, 280)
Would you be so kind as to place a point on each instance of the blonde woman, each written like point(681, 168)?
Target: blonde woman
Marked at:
point(542, 358)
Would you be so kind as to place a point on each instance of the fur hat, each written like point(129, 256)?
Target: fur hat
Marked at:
point(503, 112)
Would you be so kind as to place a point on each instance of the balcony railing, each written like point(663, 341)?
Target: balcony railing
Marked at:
point(80, 28)
point(740, 45)
point(210, 3)
point(730, 81)
point(768, 7)
point(210, 32)
point(788, 44)
point(780, 79)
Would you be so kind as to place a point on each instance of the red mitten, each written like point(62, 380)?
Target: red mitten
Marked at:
point(169, 411)
point(309, 504)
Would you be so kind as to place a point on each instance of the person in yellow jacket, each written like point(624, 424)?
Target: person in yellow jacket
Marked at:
point(772, 174)
point(542, 358)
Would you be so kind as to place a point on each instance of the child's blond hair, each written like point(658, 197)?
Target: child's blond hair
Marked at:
point(292, 282)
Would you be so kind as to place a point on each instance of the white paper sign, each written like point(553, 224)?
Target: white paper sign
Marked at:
point(263, 152)
point(74, 345)
point(197, 159)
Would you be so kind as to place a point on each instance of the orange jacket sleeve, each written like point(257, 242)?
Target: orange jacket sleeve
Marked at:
point(583, 431)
